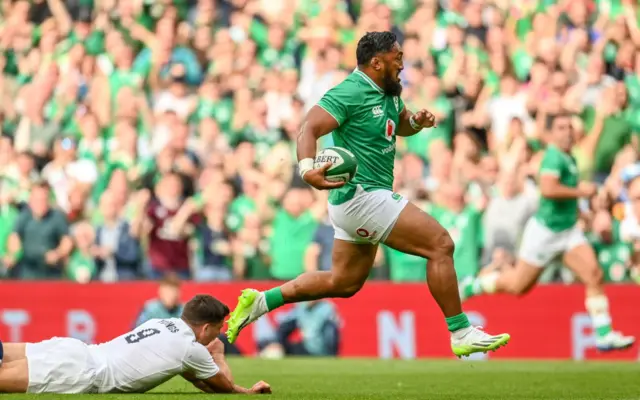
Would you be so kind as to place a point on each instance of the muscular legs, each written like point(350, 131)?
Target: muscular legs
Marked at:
point(417, 233)
point(351, 265)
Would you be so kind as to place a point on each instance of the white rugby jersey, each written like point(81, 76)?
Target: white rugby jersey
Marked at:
point(151, 354)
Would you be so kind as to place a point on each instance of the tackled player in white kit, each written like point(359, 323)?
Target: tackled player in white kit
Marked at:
point(135, 362)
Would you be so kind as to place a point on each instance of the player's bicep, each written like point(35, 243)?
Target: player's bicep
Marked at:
point(319, 122)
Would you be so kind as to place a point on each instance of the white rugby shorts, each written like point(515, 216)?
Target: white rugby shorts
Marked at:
point(60, 365)
point(540, 245)
point(368, 217)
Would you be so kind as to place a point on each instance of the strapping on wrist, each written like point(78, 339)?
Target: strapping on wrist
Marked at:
point(305, 165)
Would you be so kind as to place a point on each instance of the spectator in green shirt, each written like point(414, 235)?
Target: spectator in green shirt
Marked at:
point(294, 226)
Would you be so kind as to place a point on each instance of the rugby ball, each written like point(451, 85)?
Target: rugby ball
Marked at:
point(343, 164)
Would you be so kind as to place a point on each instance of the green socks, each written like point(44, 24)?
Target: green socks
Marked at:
point(273, 298)
point(457, 322)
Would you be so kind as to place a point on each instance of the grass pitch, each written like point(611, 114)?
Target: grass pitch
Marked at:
point(316, 379)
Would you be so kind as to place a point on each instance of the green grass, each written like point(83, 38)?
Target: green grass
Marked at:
point(316, 379)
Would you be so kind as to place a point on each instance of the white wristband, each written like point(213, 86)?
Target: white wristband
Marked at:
point(305, 165)
point(414, 124)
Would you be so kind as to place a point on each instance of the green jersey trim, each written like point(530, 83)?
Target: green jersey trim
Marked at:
point(329, 112)
point(368, 80)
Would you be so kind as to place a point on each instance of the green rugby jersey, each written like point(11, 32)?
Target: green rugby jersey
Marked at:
point(368, 119)
point(558, 214)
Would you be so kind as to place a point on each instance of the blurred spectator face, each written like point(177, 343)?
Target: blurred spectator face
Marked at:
point(562, 132)
point(455, 35)
point(25, 164)
point(119, 187)
point(441, 165)
point(578, 13)
point(245, 155)
point(124, 58)
point(127, 138)
point(453, 196)
point(620, 93)
point(595, 69)
point(169, 293)
point(473, 15)
point(539, 73)
point(180, 136)
point(65, 150)
point(293, 202)
point(39, 200)
point(559, 82)
point(516, 128)
point(412, 166)
point(89, 126)
point(169, 190)
point(84, 235)
point(490, 169)
point(508, 86)
point(209, 130)
point(108, 206)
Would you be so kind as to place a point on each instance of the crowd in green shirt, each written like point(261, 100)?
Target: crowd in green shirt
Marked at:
point(95, 95)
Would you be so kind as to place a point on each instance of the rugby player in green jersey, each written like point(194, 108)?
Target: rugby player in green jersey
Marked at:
point(554, 231)
point(365, 114)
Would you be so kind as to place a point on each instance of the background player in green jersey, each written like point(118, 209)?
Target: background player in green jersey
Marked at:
point(553, 231)
point(365, 114)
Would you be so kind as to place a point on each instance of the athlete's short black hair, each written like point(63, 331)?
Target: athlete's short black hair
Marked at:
point(373, 43)
point(204, 309)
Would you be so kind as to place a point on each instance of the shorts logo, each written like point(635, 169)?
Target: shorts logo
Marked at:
point(396, 196)
point(390, 129)
point(362, 232)
point(377, 111)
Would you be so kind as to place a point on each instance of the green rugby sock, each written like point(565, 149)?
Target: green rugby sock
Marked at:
point(457, 322)
point(273, 298)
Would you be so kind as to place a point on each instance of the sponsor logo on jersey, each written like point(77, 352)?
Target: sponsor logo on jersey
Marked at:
point(377, 111)
point(389, 129)
point(389, 148)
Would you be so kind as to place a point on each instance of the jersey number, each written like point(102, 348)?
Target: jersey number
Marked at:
point(138, 336)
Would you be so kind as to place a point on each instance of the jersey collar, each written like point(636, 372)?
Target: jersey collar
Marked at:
point(368, 80)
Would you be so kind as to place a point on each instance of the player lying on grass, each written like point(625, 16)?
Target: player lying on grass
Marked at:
point(554, 231)
point(365, 114)
point(135, 362)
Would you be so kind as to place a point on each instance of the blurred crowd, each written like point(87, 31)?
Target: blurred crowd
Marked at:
point(141, 137)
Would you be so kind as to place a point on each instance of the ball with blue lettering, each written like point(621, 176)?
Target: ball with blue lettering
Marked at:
point(343, 164)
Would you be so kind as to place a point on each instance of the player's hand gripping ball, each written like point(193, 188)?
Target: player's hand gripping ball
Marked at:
point(332, 168)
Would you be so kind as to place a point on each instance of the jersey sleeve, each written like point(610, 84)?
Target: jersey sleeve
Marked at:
point(551, 164)
point(199, 362)
point(337, 102)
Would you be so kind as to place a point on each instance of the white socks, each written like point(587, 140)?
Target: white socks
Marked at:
point(598, 309)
